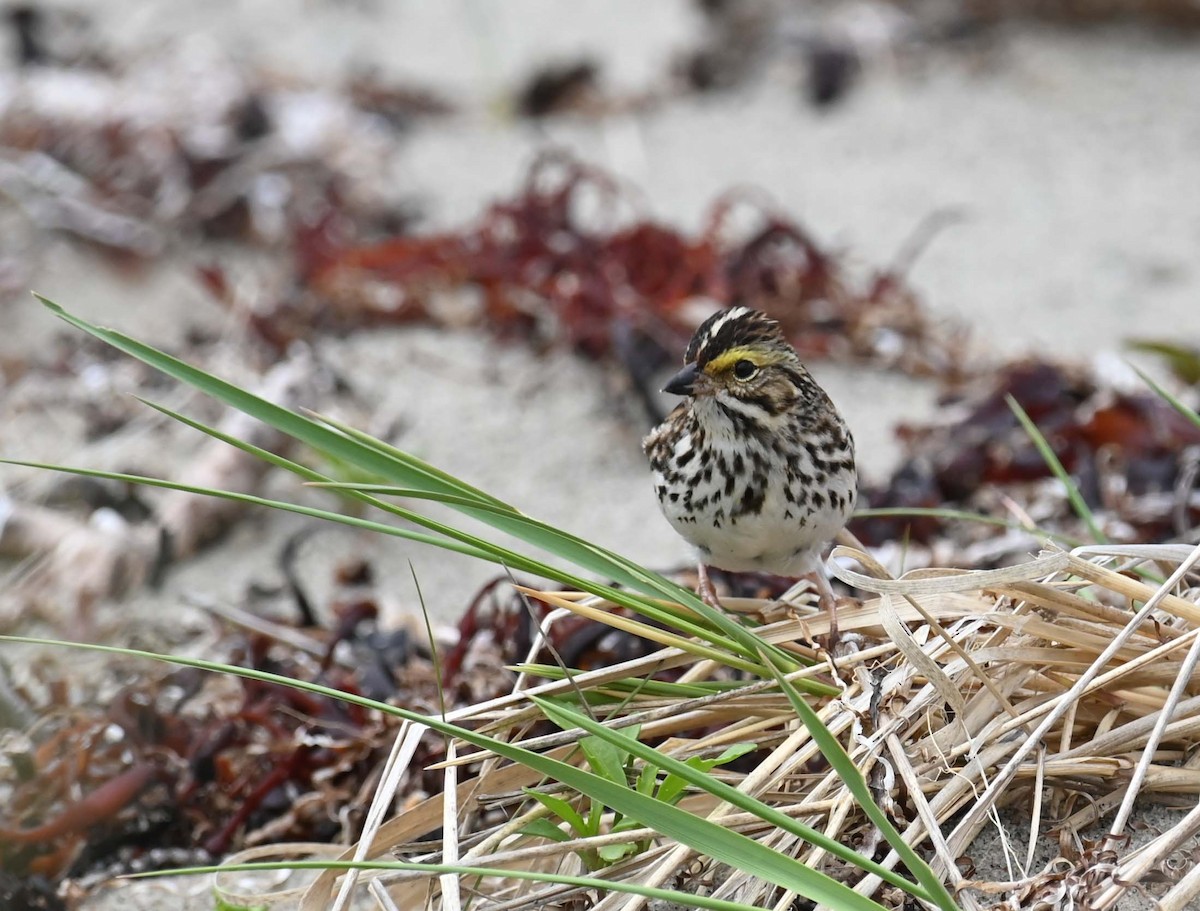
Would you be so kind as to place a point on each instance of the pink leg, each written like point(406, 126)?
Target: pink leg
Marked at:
point(827, 602)
point(705, 590)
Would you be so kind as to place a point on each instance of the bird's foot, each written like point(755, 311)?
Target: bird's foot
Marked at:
point(705, 589)
point(828, 603)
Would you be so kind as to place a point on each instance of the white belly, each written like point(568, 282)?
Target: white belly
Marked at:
point(781, 536)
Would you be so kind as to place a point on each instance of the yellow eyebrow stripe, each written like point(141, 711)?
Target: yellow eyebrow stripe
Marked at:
point(726, 359)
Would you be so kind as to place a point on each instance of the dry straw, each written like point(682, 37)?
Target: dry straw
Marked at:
point(1060, 688)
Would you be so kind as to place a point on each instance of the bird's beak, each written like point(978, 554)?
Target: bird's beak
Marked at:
point(684, 382)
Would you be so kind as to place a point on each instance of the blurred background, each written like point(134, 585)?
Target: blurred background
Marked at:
point(494, 224)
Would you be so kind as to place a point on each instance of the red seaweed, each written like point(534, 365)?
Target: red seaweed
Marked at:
point(1125, 451)
point(548, 268)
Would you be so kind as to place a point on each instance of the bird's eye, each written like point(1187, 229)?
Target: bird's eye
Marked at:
point(743, 369)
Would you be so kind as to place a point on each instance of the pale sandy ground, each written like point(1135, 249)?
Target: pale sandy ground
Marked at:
point(1071, 156)
point(1075, 159)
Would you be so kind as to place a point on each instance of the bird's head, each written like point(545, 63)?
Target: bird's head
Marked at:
point(740, 363)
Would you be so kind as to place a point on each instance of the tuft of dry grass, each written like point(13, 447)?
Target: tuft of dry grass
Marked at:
point(1061, 689)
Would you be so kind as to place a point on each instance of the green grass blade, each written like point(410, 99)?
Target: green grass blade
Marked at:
point(563, 810)
point(1073, 494)
point(684, 899)
point(271, 458)
point(372, 457)
point(457, 541)
point(1181, 360)
point(562, 543)
point(671, 822)
point(605, 758)
point(397, 455)
point(477, 548)
point(567, 718)
point(659, 688)
point(283, 505)
point(448, 538)
point(352, 447)
point(365, 493)
point(346, 446)
point(1171, 400)
point(403, 493)
point(376, 459)
point(841, 762)
point(544, 828)
point(289, 422)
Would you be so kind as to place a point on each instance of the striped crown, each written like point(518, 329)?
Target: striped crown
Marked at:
point(737, 327)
